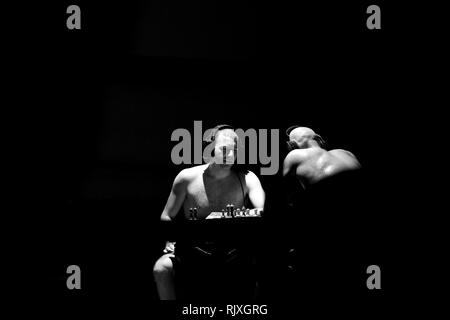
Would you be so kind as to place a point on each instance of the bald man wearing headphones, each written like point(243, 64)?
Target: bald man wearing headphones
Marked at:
point(310, 162)
point(207, 188)
point(322, 197)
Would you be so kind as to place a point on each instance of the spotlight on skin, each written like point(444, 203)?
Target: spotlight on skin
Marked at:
point(303, 136)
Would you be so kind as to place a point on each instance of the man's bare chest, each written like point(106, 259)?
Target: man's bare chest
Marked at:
point(209, 195)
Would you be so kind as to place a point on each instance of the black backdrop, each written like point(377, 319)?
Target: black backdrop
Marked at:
point(113, 92)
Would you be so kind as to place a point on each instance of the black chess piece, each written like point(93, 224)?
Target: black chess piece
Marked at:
point(195, 213)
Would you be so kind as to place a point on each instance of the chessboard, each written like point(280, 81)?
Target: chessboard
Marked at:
point(231, 213)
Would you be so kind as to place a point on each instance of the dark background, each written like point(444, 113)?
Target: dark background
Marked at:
point(108, 96)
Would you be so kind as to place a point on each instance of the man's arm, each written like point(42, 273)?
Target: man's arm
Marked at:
point(291, 162)
point(173, 205)
point(256, 193)
point(176, 197)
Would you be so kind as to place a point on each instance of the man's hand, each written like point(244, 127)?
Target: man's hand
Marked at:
point(170, 247)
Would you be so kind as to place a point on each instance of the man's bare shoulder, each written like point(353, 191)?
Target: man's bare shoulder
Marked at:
point(250, 177)
point(191, 173)
point(296, 156)
point(293, 159)
point(341, 153)
point(345, 155)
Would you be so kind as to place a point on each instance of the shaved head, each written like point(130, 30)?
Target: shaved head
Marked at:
point(304, 137)
point(301, 133)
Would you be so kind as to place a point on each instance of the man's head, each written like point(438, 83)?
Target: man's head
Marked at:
point(225, 142)
point(303, 137)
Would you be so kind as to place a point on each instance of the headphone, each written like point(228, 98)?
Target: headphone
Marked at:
point(212, 136)
point(292, 145)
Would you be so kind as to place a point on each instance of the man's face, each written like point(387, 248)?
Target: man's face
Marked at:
point(225, 148)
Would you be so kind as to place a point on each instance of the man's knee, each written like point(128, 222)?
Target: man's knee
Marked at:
point(163, 268)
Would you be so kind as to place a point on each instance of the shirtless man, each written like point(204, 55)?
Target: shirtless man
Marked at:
point(310, 163)
point(323, 200)
point(209, 187)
